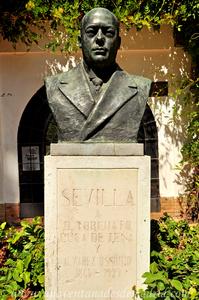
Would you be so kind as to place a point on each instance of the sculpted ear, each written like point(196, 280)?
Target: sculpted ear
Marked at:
point(119, 42)
point(79, 41)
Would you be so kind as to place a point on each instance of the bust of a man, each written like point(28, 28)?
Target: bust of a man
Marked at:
point(97, 101)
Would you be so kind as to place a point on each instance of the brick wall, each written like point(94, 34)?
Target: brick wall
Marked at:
point(2, 212)
point(168, 205)
point(10, 212)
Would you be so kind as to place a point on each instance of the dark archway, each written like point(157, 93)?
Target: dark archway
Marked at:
point(34, 137)
point(37, 129)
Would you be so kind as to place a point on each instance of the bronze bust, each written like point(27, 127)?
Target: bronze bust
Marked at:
point(97, 101)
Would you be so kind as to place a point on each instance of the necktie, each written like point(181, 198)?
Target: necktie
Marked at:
point(97, 83)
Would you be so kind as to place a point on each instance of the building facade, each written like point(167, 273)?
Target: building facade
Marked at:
point(27, 129)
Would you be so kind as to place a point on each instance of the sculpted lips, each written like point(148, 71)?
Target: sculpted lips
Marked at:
point(99, 50)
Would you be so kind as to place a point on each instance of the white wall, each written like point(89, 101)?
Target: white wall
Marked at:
point(21, 76)
point(148, 53)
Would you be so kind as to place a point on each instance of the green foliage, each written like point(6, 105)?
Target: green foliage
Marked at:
point(29, 20)
point(174, 269)
point(186, 110)
point(22, 261)
point(190, 105)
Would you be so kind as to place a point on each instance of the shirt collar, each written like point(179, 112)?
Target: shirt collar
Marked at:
point(92, 75)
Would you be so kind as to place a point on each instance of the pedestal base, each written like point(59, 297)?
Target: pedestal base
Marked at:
point(97, 224)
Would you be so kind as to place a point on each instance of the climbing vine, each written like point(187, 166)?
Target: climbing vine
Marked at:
point(58, 21)
point(189, 105)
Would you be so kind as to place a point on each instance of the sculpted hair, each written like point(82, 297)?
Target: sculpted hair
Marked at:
point(103, 10)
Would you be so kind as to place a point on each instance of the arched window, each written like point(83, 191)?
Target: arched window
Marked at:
point(149, 137)
point(37, 130)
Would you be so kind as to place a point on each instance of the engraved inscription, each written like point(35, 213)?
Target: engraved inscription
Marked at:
point(109, 266)
point(115, 231)
point(98, 197)
point(96, 226)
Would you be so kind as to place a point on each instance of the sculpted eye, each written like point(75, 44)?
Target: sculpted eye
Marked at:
point(90, 32)
point(110, 32)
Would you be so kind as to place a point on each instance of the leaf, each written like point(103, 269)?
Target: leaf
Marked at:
point(16, 237)
point(9, 275)
point(16, 276)
point(177, 284)
point(41, 279)
point(12, 287)
point(154, 267)
point(26, 277)
point(3, 225)
point(27, 260)
point(20, 266)
point(160, 286)
point(28, 246)
point(10, 262)
point(25, 224)
point(192, 292)
point(150, 278)
point(149, 297)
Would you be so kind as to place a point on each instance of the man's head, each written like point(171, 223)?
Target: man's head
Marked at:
point(100, 38)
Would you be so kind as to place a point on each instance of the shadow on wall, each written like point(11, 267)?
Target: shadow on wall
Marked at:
point(154, 54)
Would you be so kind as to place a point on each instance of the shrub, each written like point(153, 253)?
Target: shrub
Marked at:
point(174, 269)
point(22, 261)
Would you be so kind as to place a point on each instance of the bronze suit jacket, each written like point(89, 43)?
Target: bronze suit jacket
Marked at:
point(115, 117)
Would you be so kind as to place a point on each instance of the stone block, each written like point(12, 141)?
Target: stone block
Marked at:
point(97, 226)
point(98, 149)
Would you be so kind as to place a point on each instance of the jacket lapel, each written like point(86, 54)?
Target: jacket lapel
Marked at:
point(74, 87)
point(122, 88)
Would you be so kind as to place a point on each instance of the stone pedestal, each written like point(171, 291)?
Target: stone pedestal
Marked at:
point(97, 213)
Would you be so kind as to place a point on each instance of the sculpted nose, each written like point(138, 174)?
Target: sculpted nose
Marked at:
point(100, 37)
